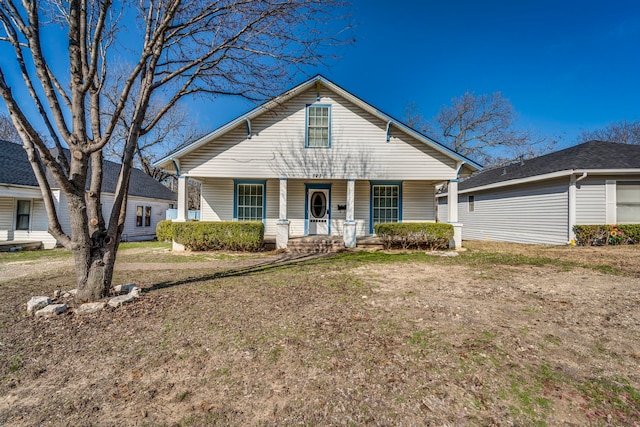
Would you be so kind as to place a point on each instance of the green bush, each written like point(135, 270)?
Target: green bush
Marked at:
point(164, 230)
point(208, 236)
point(599, 235)
point(418, 235)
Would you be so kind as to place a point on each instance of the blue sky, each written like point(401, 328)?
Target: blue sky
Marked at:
point(566, 66)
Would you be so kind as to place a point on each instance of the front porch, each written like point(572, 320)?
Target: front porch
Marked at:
point(340, 209)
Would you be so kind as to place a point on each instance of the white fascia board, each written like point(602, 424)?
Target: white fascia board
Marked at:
point(608, 171)
point(20, 191)
point(515, 182)
point(548, 176)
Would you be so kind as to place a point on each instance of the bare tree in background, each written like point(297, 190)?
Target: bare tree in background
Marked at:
point(8, 131)
point(481, 127)
point(625, 132)
point(170, 49)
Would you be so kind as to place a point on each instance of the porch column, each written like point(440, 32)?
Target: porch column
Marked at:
point(349, 234)
point(452, 204)
point(282, 228)
point(183, 207)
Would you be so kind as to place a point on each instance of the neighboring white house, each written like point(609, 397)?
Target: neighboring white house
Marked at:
point(316, 160)
point(22, 212)
point(540, 200)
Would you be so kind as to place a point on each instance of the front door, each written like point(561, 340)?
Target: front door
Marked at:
point(318, 211)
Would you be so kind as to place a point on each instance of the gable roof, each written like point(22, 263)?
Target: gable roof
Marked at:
point(590, 156)
point(15, 169)
point(190, 146)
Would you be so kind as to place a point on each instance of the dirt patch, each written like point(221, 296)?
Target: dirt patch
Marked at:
point(363, 339)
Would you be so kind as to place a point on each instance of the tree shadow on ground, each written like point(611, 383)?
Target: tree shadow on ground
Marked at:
point(283, 262)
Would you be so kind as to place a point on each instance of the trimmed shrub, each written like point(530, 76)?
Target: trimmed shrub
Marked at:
point(209, 236)
point(164, 230)
point(599, 235)
point(414, 235)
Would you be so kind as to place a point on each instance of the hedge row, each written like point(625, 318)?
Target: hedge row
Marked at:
point(599, 235)
point(418, 235)
point(209, 236)
point(164, 230)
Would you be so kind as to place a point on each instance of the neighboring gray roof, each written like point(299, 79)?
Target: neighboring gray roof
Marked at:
point(15, 169)
point(14, 166)
point(592, 155)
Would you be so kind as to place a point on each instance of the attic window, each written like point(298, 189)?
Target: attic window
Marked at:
point(318, 126)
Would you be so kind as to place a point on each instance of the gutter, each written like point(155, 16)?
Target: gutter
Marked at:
point(548, 176)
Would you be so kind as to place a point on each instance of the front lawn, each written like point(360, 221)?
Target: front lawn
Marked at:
point(526, 336)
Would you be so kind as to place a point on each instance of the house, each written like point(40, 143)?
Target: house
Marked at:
point(540, 200)
point(22, 212)
point(316, 160)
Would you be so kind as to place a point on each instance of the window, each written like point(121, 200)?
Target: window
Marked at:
point(143, 216)
point(628, 202)
point(318, 126)
point(23, 214)
point(472, 203)
point(385, 203)
point(250, 201)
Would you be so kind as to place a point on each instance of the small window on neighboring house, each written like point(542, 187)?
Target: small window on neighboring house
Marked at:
point(472, 203)
point(250, 202)
point(147, 216)
point(318, 126)
point(628, 202)
point(139, 214)
point(23, 214)
point(143, 216)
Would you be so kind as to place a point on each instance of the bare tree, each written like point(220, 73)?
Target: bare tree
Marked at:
point(227, 47)
point(625, 132)
point(481, 127)
point(8, 131)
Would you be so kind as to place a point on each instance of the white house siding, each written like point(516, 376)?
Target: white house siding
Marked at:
point(443, 209)
point(217, 203)
point(590, 201)
point(359, 149)
point(131, 232)
point(418, 201)
point(6, 218)
point(534, 213)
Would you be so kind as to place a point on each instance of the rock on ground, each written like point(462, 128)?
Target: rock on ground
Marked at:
point(124, 289)
point(91, 307)
point(36, 303)
point(52, 310)
point(122, 299)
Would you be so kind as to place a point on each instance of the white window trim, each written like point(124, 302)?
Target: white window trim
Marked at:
point(15, 215)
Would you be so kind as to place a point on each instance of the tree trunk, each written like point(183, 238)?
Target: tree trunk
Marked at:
point(94, 276)
point(94, 254)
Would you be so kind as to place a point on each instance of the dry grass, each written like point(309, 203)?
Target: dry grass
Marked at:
point(501, 335)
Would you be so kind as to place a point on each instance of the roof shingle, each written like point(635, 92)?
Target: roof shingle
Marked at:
point(15, 169)
point(594, 155)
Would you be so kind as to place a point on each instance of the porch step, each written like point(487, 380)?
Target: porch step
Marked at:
point(315, 244)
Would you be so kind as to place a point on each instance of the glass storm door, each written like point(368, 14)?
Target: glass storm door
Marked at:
point(318, 211)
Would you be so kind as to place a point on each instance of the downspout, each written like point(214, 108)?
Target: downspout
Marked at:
point(572, 206)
